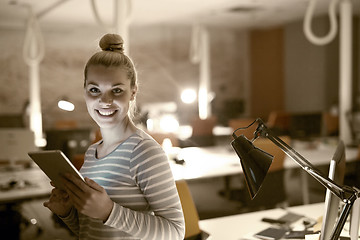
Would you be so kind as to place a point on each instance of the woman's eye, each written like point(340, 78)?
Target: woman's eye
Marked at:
point(94, 90)
point(117, 90)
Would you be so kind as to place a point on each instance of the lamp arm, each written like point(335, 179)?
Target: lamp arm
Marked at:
point(262, 130)
point(347, 194)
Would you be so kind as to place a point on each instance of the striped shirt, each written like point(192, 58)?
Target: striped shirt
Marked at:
point(138, 178)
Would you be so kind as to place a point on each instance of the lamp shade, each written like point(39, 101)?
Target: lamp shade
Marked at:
point(254, 162)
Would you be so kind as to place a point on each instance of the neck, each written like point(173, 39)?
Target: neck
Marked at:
point(118, 133)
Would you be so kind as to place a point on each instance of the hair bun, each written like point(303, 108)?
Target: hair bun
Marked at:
point(112, 42)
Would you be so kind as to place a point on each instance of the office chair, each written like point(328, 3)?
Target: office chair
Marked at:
point(330, 124)
point(202, 131)
point(65, 124)
point(159, 137)
point(279, 122)
point(192, 229)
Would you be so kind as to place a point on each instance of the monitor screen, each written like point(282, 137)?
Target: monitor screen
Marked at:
point(70, 141)
point(354, 220)
point(15, 143)
point(12, 121)
point(306, 125)
point(332, 202)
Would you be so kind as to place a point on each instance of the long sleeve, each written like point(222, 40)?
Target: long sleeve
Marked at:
point(151, 172)
point(72, 221)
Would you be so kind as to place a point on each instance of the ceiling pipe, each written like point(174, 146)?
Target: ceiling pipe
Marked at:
point(50, 8)
point(345, 81)
point(200, 54)
point(120, 23)
point(33, 53)
point(345, 65)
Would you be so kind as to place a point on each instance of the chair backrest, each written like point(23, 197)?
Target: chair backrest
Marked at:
point(279, 119)
point(66, 124)
point(330, 124)
point(189, 209)
point(202, 131)
point(159, 137)
point(203, 127)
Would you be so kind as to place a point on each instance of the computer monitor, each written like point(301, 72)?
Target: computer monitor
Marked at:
point(12, 121)
point(332, 202)
point(354, 220)
point(305, 125)
point(15, 143)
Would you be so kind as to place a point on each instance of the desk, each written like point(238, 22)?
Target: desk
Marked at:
point(243, 226)
point(33, 183)
point(206, 162)
point(218, 161)
point(200, 162)
point(318, 154)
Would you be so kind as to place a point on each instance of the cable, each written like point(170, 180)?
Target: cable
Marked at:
point(97, 16)
point(195, 50)
point(333, 23)
point(101, 22)
point(33, 33)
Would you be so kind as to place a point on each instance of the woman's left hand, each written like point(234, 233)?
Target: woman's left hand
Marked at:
point(88, 198)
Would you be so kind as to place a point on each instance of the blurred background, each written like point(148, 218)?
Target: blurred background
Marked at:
point(205, 68)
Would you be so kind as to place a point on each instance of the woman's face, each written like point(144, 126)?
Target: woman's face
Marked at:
point(107, 95)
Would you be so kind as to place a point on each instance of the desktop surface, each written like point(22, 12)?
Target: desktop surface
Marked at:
point(244, 226)
point(24, 184)
point(221, 160)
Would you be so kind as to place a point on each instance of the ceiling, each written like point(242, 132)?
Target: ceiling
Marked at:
point(230, 13)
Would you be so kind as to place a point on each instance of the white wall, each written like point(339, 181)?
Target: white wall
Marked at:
point(160, 53)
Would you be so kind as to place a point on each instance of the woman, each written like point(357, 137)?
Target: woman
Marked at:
point(129, 191)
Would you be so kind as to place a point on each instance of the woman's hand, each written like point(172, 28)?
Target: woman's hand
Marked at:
point(59, 202)
point(88, 198)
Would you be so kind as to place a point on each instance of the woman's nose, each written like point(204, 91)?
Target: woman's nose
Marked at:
point(106, 99)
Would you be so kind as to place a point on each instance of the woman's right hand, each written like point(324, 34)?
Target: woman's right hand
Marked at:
point(59, 202)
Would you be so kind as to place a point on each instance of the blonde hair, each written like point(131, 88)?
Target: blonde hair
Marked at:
point(112, 55)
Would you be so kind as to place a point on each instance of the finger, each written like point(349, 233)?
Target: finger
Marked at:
point(75, 194)
point(73, 185)
point(71, 189)
point(76, 180)
point(93, 184)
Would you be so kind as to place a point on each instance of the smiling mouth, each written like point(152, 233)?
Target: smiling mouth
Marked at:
point(106, 113)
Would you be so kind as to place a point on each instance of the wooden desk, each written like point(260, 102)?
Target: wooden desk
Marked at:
point(244, 226)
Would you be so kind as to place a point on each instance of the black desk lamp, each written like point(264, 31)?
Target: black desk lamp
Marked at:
point(256, 163)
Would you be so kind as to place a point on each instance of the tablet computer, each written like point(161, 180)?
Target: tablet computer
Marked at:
point(54, 163)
